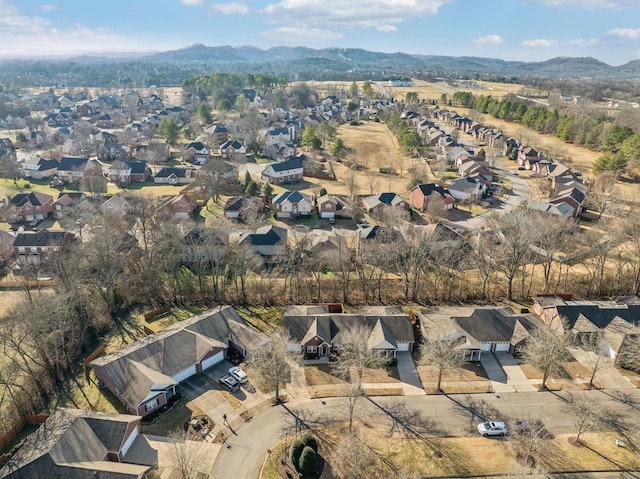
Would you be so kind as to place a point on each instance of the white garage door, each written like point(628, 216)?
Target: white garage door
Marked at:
point(403, 346)
point(187, 373)
point(502, 347)
point(215, 359)
point(327, 214)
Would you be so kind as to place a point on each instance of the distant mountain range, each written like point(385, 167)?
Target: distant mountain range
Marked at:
point(353, 59)
point(297, 63)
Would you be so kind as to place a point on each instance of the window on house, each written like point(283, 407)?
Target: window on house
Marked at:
point(312, 349)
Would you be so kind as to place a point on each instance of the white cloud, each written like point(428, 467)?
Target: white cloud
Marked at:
point(49, 8)
point(592, 4)
point(538, 43)
point(584, 42)
point(627, 33)
point(191, 3)
point(352, 14)
point(230, 8)
point(387, 28)
point(24, 35)
point(294, 35)
point(489, 40)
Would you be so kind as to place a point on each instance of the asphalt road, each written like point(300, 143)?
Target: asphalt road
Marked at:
point(519, 193)
point(421, 416)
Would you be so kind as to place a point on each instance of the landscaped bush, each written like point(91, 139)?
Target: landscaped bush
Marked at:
point(308, 461)
point(295, 451)
point(388, 171)
point(309, 441)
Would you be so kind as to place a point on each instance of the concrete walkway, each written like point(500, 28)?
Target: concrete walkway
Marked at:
point(297, 388)
point(515, 377)
point(409, 375)
point(607, 373)
point(496, 374)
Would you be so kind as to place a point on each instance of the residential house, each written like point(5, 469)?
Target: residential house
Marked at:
point(153, 153)
point(318, 331)
point(38, 168)
point(288, 171)
point(196, 152)
point(479, 330)
point(421, 195)
point(146, 374)
point(270, 242)
point(330, 206)
point(182, 206)
point(89, 108)
point(117, 205)
point(476, 170)
point(611, 322)
point(526, 155)
point(234, 206)
point(376, 203)
point(291, 204)
point(175, 176)
point(114, 152)
point(562, 209)
point(31, 247)
point(573, 197)
point(218, 132)
point(79, 444)
point(105, 121)
point(468, 188)
point(73, 170)
point(231, 149)
point(125, 172)
point(30, 206)
point(65, 201)
point(204, 247)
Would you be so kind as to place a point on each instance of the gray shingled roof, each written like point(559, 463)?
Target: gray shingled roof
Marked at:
point(304, 323)
point(72, 444)
point(490, 325)
point(142, 368)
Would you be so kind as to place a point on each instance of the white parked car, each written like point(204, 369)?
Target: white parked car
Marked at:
point(238, 374)
point(229, 382)
point(492, 428)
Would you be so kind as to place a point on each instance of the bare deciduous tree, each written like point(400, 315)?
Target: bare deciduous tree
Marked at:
point(546, 350)
point(271, 361)
point(185, 456)
point(439, 350)
point(354, 357)
point(586, 411)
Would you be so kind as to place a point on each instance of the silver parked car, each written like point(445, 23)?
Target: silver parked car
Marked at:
point(229, 382)
point(492, 428)
point(238, 374)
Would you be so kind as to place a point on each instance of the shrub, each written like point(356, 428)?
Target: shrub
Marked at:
point(354, 123)
point(393, 362)
point(309, 441)
point(308, 461)
point(295, 451)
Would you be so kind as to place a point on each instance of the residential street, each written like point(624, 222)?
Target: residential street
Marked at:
point(519, 193)
point(424, 416)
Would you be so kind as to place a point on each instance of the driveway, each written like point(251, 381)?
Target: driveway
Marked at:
point(495, 372)
point(194, 386)
point(409, 375)
point(515, 377)
point(607, 373)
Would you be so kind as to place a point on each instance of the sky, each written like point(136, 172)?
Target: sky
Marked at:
point(526, 30)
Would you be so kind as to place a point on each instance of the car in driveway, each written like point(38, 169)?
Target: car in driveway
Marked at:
point(492, 428)
point(229, 382)
point(238, 374)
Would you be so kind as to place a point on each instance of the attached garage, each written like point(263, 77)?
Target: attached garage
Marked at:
point(497, 347)
point(185, 374)
point(404, 346)
point(215, 359)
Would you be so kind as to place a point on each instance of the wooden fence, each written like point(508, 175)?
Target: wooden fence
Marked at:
point(17, 427)
point(93, 355)
point(320, 177)
point(156, 312)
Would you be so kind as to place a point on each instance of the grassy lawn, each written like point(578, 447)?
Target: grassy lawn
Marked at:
point(468, 372)
point(262, 318)
point(171, 421)
point(477, 456)
point(321, 374)
point(381, 375)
